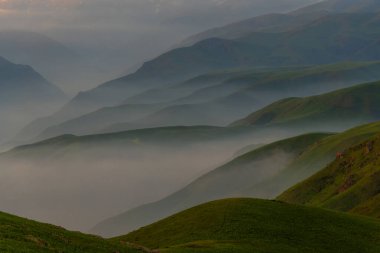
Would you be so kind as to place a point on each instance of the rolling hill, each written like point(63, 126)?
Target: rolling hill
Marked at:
point(341, 109)
point(27, 236)
point(249, 225)
point(350, 183)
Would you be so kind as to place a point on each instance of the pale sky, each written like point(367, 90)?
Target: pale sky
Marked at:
point(124, 33)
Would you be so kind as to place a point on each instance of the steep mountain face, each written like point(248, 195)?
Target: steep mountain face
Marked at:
point(350, 183)
point(22, 235)
point(342, 108)
point(228, 180)
point(246, 225)
point(24, 95)
point(263, 173)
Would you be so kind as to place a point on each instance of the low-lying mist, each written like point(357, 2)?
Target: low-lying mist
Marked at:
point(77, 188)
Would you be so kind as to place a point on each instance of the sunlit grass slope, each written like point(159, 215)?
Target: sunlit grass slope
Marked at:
point(249, 225)
point(22, 235)
point(351, 183)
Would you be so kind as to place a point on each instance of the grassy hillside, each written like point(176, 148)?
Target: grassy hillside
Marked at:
point(231, 179)
point(344, 108)
point(26, 236)
point(248, 225)
point(351, 183)
point(313, 159)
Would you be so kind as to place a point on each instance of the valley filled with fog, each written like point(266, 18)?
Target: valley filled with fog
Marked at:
point(115, 115)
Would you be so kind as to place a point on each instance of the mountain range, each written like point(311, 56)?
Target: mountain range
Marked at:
point(213, 99)
point(330, 38)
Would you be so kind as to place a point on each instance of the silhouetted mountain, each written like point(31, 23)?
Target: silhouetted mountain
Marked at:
point(24, 95)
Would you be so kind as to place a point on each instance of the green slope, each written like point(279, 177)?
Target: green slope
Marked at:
point(351, 183)
point(231, 179)
point(26, 236)
point(342, 108)
point(313, 159)
point(248, 225)
point(275, 22)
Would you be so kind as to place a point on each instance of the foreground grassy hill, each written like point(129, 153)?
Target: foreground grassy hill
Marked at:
point(343, 108)
point(351, 183)
point(26, 236)
point(249, 225)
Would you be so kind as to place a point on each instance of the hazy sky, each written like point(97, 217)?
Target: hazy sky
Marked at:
point(114, 24)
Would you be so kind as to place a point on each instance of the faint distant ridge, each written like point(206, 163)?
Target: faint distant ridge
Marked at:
point(342, 6)
point(277, 22)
